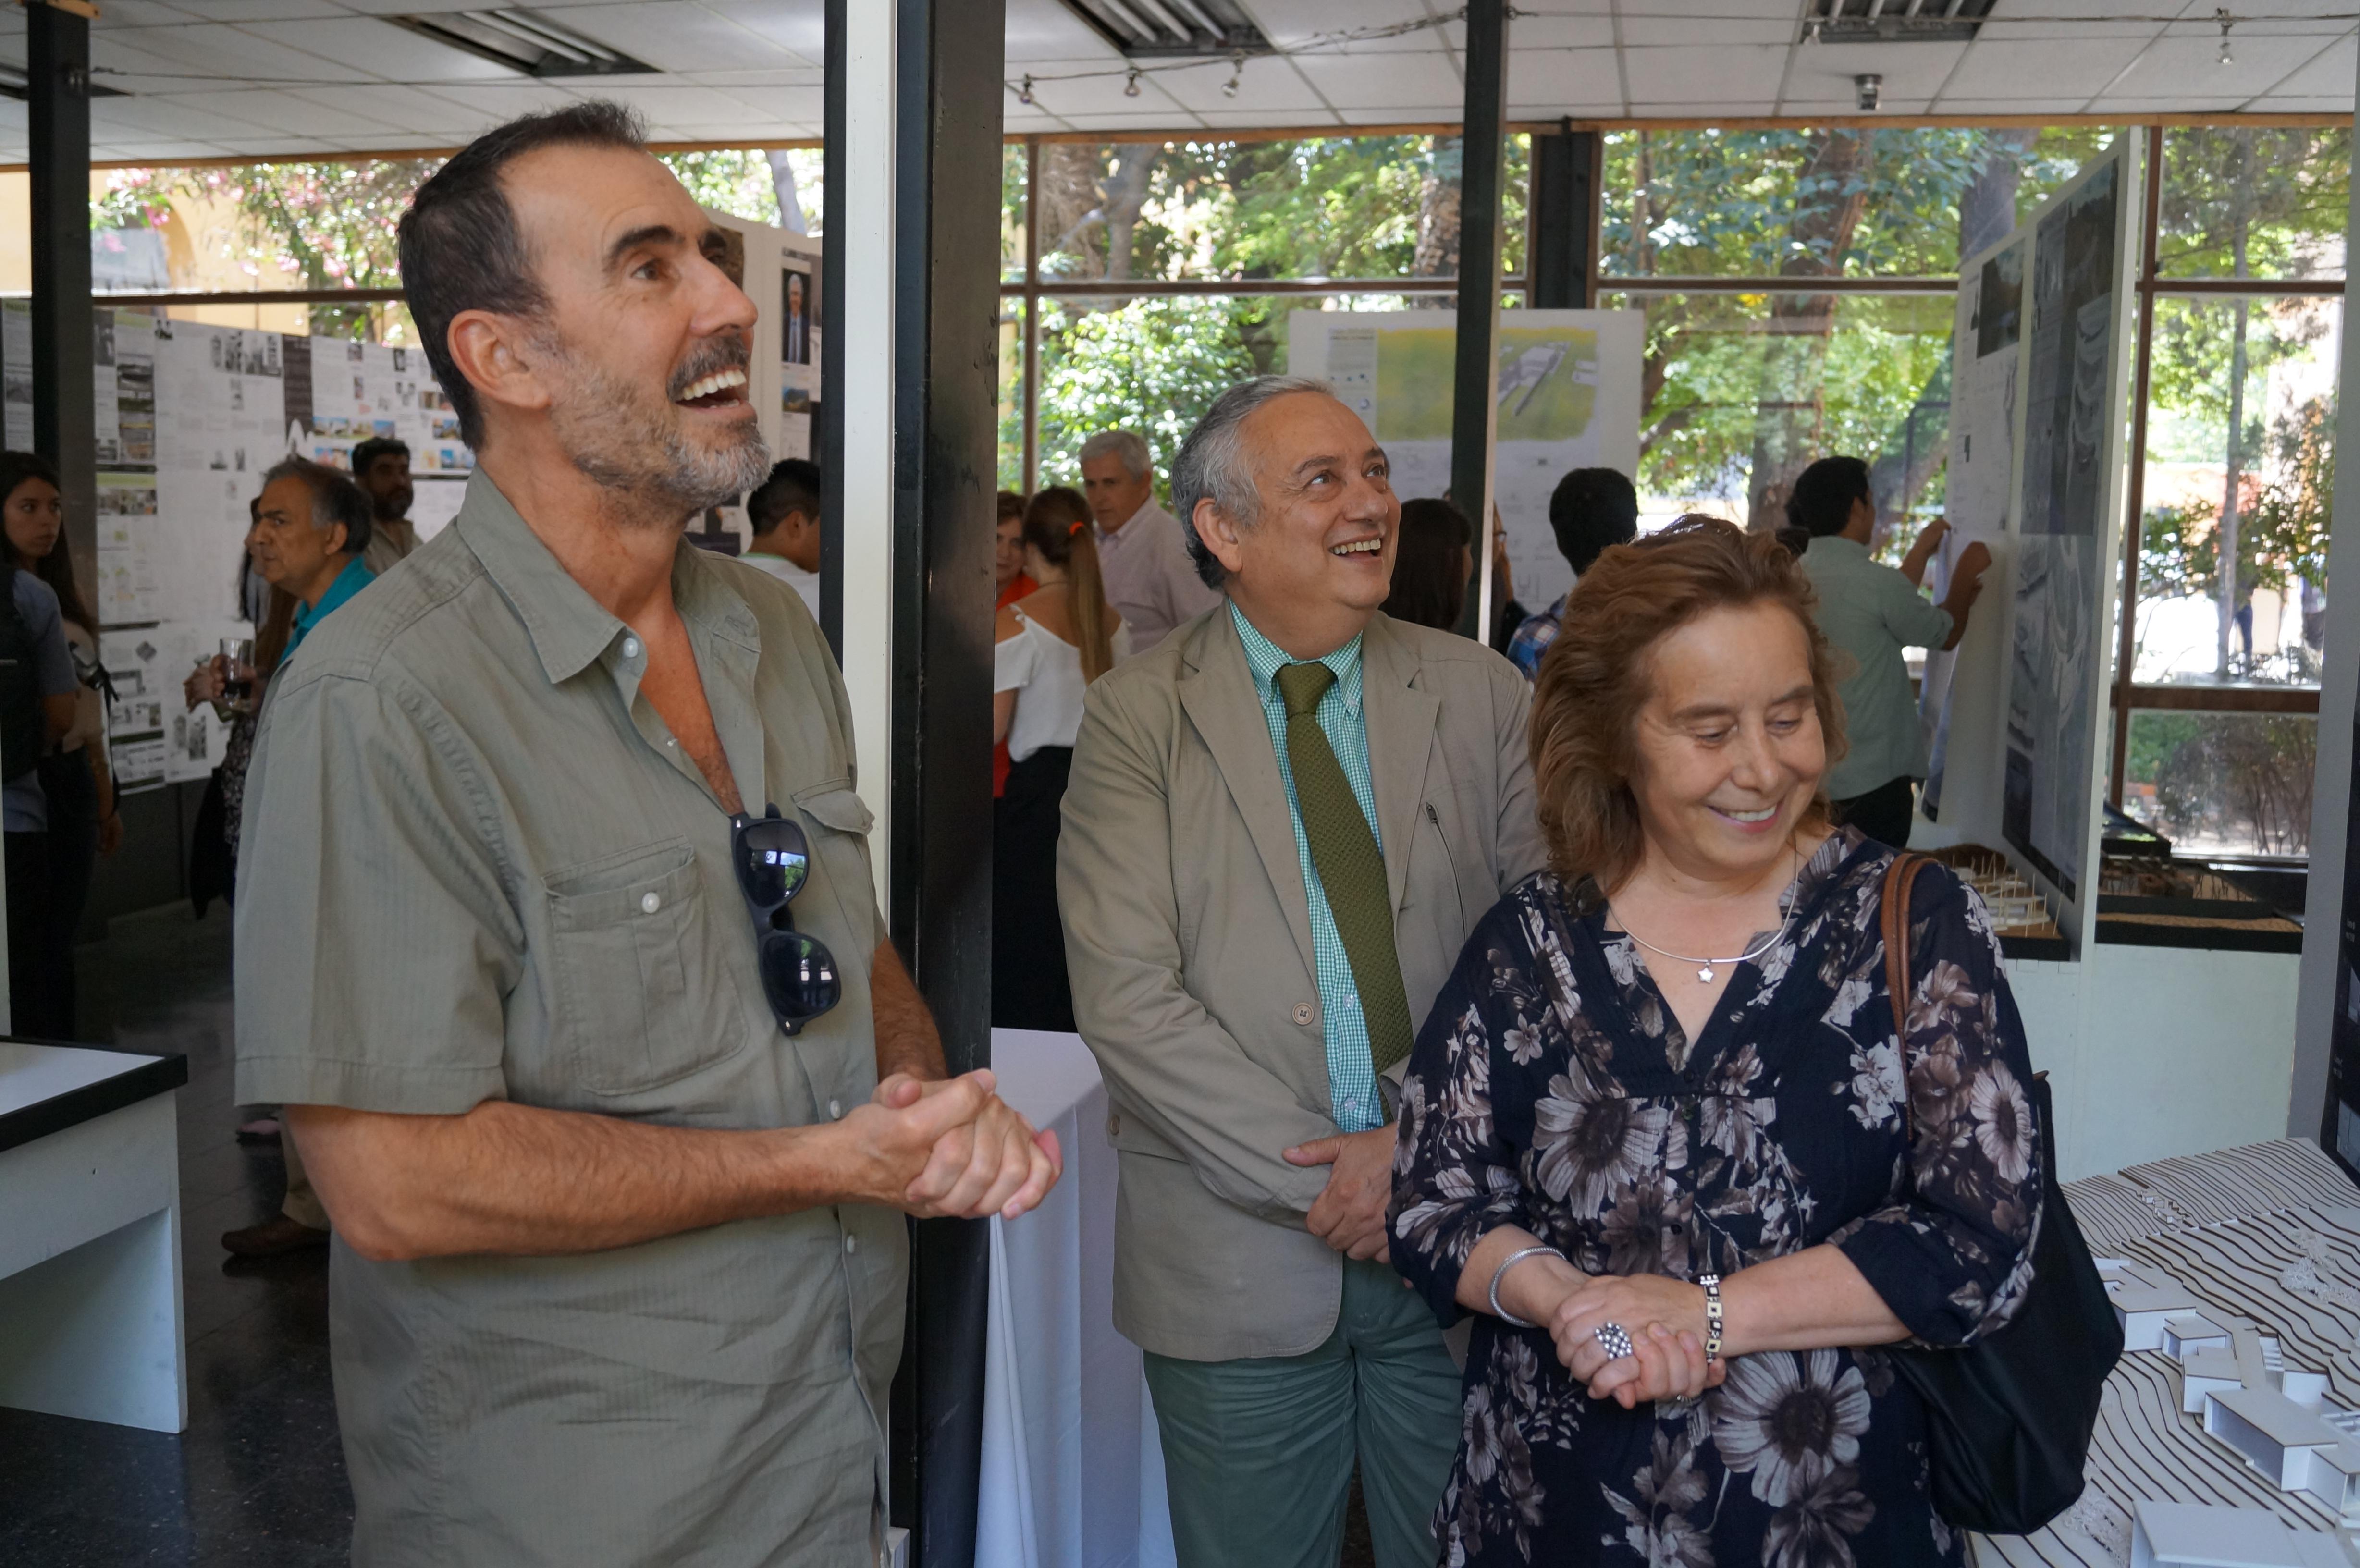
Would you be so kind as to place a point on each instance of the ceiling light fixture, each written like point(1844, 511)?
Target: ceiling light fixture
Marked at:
point(1871, 87)
point(1024, 93)
point(1130, 83)
point(1894, 21)
point(1237, 74)
point(2221, 16)
point(527, 44)
point(1171, 30)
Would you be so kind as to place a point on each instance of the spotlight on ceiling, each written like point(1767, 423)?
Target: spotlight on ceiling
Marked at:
point(1872, 87)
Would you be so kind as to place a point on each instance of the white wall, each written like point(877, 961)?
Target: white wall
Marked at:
point(2156, 1051)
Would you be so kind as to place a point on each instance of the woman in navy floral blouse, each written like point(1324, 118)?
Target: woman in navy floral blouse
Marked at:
point(1672, 1056)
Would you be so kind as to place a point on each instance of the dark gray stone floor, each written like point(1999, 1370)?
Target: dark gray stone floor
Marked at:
point(258, 1478)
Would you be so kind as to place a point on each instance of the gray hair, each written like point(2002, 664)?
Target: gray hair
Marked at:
point(1212, 463)
point(1124, 444)
point(335, 498)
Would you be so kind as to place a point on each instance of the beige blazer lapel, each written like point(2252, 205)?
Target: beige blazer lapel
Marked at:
point(1217, 689)
point(1401, 721)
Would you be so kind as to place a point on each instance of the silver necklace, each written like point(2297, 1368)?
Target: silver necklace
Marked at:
point(1705, 966)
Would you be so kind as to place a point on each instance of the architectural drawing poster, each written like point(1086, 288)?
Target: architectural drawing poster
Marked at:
point(2058, 655)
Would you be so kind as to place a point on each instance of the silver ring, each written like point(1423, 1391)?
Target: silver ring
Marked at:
point(1614, 1339)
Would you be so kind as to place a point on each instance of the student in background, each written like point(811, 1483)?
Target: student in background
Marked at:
point(38, 708)
point(381, 468)
point(785, 515)
point(1431, 565)
point(76, 784)
point(1048, 647)
point(1590, 510)
point(1008, 568)
point(1873, 612)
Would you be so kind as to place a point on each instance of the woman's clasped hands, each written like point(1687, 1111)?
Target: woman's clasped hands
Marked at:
point(1665, 1320)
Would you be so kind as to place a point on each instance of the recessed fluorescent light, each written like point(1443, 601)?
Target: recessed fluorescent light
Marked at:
point(527, 44)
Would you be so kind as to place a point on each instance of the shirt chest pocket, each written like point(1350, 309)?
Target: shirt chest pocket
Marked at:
point(643, 996)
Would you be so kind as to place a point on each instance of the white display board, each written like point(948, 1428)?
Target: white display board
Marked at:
point(1568, 397)
point(2022, 760)
point(1987, 425)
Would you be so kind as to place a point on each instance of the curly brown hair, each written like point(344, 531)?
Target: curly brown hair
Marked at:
point(1595, 678)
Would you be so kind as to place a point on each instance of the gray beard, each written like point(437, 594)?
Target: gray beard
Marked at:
point(619, 443)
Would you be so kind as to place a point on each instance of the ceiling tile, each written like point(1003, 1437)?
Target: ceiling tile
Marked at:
point(2064, 71)
point(1571, 76)
point(262, 10)
point(147, 117)
point(1295, 22)
point(672, 35)
point(1307, 119)
point(1686, 109)
point(232, 53)
point(117, 15)
point(2328, 74)
point(288, 112)
point(485, 104)
point(1702, 77)
point(800, 103)
point(398, 108)
point(1580, 32)
point(1687, 31)
point(1382, 80)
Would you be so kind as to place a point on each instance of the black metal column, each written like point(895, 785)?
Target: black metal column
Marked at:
point(1474, 406)
point(945, 449)
point(1559, 262)
point(56, 93)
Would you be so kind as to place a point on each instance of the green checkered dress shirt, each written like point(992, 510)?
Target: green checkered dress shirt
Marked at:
point(1352, 1077)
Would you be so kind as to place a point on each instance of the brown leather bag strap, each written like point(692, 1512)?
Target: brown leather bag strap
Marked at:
point(1893, 923)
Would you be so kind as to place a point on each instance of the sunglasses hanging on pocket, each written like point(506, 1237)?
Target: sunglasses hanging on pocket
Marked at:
point(773, 861)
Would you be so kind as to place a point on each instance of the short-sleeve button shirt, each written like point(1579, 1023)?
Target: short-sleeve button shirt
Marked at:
point(1872, 612)
point(476, 867)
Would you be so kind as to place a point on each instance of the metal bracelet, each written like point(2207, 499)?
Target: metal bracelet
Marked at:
point(1712, 1322)
point(1513, 1258)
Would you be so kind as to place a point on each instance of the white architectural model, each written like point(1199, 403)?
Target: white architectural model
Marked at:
point(2202, 1535)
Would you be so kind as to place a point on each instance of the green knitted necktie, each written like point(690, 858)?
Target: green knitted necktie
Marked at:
point(1352, 868)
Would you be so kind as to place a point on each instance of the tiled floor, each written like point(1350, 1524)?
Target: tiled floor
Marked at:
point(258, 1478)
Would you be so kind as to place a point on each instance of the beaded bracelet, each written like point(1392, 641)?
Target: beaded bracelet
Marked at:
point(1711, 1283)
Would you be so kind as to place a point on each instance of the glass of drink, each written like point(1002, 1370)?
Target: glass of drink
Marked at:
point(237, 674)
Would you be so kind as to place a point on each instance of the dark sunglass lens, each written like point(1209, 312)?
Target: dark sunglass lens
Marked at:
point(772, 859)
point(799, 976)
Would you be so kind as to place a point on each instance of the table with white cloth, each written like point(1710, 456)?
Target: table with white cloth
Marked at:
point(1071, 1474)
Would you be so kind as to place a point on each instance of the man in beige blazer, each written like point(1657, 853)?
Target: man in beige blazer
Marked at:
point(1283, 822)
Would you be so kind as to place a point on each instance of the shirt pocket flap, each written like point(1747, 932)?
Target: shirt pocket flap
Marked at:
point(616, 890)
point(833, 805)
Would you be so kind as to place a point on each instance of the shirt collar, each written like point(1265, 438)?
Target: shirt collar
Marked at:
point(354, 577)
point(1116, 536)
point(1265, 659)
point(1836, 544)
point(570, 630)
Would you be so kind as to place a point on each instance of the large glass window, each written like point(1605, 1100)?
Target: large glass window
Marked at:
point(1743, 390)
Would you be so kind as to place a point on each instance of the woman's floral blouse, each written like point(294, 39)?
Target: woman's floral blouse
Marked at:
point(1553, 1089)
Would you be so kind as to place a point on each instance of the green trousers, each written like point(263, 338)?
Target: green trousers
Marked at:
point(1258, 1453)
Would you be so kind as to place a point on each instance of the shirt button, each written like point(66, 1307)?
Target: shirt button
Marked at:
point(1114, 1127)
point(851, 1243)
point(650, 903)
point(630, 647)
point(1303, 1012)
point(836, 1110)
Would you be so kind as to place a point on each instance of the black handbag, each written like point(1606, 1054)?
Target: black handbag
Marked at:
point(2009, 1417)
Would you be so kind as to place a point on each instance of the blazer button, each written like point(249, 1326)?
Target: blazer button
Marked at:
point(1303, 1013)
point(1114, 1127)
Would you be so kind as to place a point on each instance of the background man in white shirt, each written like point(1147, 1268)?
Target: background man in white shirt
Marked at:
point(785, 515)
point(1150, 580)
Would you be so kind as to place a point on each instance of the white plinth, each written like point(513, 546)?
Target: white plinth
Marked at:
point(89, 1236)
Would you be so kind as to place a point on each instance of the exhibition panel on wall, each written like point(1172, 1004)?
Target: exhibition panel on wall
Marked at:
point(1568, 398)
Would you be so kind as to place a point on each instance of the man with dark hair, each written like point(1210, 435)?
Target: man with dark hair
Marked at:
point(381, 468)
point(785, 515)
point(562, 949)
point(1873, 612)
point(1590, 509)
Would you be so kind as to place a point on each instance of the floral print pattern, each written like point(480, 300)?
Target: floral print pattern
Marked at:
point(1553, 1088)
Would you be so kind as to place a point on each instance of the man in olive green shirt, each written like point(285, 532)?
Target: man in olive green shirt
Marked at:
point(614, 1151)
point(1872, 612)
